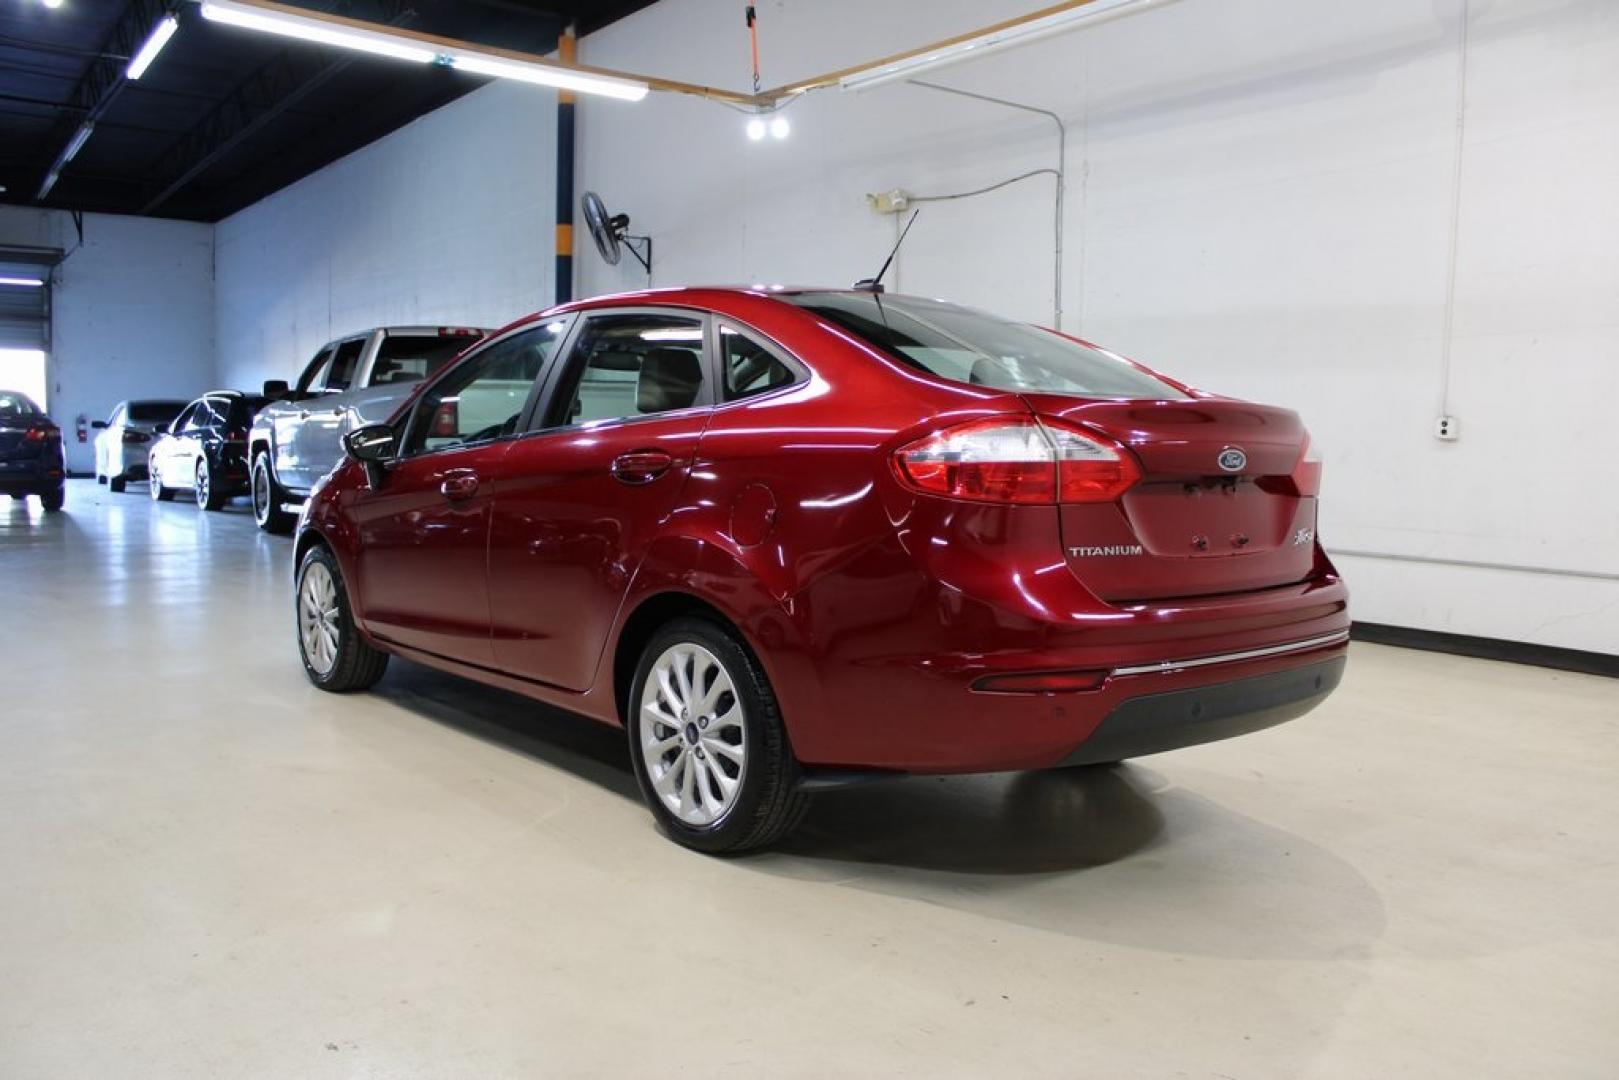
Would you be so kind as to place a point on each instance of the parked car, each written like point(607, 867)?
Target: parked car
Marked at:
point(786, 538)
point(351, 382)
point(205, 449)
point(31, 461)
point(126, 437)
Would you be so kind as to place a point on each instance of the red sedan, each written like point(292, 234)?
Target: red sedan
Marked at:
point(789, 538)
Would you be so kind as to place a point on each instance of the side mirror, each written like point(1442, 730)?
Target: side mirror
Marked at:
point(99, 425)
point(372, 446)
point(276, 389)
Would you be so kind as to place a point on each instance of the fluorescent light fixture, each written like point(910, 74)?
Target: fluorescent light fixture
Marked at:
point(547, 75)
point(994, 41)
point(50, 181)
point(22, 282)
point(52, 3)
point(308, 28)
point(159, 37)
point(80, 137)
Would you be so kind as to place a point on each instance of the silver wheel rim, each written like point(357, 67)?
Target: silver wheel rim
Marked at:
point(261, 493)
point(318, 625)
point(202, 484)
point(156, 484)
point(694, 744)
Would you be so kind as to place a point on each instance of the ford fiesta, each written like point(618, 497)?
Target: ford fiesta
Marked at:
point(788, 538)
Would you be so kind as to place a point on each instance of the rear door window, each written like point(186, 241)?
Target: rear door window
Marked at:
point(626, 366)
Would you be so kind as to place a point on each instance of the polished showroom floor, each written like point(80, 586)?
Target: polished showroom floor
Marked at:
point(210, 869)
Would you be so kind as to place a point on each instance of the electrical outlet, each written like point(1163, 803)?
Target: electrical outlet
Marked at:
point(893, 201)
point(1447, 428)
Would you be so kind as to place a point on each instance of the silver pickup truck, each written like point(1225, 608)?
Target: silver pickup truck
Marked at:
point(351, 382)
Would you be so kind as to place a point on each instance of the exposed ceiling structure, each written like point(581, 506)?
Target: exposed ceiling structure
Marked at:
point(224, 117)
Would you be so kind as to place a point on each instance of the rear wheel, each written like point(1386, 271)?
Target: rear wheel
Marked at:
point(116, 484)
point(706, 736)
point(208, 496)
point(268, 497)
point(335, 656)
point(52, 500)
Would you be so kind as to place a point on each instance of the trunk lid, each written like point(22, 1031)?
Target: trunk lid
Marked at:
point(1215, 511)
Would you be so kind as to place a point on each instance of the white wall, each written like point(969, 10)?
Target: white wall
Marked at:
point(1261, 200)
point(132, 312)
point(449, 220)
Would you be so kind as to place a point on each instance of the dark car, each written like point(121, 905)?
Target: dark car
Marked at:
point(786, 536)
point(31, 460)
point(205, 449)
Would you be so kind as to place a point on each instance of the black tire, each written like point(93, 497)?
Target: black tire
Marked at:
point(116, 484)
point(208, 495)
point(356, 664)
point(52, 500)
point(769, 803)
point(268, 497)
point(100, 479)
point(155, 487)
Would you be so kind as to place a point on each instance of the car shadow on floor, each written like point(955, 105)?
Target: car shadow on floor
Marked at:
point(1009, 823)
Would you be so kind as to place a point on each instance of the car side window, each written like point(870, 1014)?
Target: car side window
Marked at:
point(187, 420)
point(631, 365)
point(750, 368)
point(344, 363)
point(482, 398)
point(315, 373)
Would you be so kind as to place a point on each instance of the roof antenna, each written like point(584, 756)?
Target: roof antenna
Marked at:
point(875, 284)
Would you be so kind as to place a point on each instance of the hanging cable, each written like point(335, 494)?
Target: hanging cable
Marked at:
point(753, 42)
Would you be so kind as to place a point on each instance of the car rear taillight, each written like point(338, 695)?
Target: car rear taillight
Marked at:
point(135, 438)
point(1017, 460)
point(1307, 473)
point(41, 434)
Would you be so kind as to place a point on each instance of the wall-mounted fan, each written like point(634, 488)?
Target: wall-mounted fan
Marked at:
point(612, 236)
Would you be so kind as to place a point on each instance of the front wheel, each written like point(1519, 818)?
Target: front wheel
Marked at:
point(335, 656)
point(154, 485)
point(706, 737)
point(208, 495)
point(267, 497)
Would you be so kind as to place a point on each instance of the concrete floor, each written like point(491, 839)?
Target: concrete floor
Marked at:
point(210, 869)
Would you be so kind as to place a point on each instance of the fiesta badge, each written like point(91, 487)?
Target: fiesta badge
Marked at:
point(1232, 459)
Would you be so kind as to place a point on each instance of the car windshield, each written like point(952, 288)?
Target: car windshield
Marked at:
point(969, 346)
point(409, 358)
point(244, 408)
point(155, 412)
point(14, 406)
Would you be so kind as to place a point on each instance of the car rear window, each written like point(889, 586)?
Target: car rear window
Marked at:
point(957, 343)
point(155, 412)
point(17, 407)
point(409, 358)
point(244, 408)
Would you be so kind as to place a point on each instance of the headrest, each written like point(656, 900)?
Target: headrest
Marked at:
point(670, 379)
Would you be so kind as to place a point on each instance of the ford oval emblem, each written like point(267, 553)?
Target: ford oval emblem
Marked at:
point(1232, 459)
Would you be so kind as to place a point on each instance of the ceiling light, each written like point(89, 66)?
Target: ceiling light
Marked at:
point(1019, 33)
point(26, 283)
point(309, 28)
point(51, 3)
point(756, 129)
point(50, 181)
point(80, 137)
point(159, 37)
point(548, 75)
point(779, 127)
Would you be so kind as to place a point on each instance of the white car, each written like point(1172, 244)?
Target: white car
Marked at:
point(126, 437)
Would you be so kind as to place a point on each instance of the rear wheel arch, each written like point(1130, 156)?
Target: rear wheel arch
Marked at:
point(652, 613)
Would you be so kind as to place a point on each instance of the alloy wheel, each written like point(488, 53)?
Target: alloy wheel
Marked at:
point(319, 620)
point(261, 493)
point(202, 484)
point(693, 740)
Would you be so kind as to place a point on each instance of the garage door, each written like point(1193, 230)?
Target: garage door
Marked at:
point(25, 311)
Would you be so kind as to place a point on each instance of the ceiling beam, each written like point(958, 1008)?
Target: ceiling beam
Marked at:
point(103, 76)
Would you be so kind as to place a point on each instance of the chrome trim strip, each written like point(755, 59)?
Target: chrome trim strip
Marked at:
point(1163, 666)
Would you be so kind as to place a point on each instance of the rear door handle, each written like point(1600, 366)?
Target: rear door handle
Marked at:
point(459, 484)
point(641, 466)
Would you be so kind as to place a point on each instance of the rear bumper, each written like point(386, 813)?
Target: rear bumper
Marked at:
point(32, 476)
point(1153, 723)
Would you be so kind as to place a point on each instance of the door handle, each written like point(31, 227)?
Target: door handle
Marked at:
point(459, 484)
point(641, 466)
